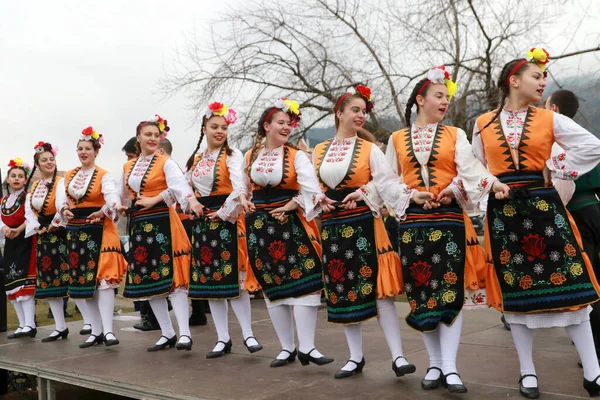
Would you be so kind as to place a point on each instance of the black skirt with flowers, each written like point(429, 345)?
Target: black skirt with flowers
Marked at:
point(214, 270)
point(52, 263)
point(538, 262)
point(433, 248)
point(282, 255)
point(150, 271)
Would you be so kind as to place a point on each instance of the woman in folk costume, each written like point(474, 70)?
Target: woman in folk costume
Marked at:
point(441, 257)
point(88, 199)
point(159, 249)
point(219, 252)
point(51, 250)
point(284, 250)
point(541, 276)
point(19, 250)
point(362, 270)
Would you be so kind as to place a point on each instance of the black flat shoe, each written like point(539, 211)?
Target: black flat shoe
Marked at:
point(454, 388)
point(530, 393)
point(169, 343)
point(185, 346)
point(592, 387)
point(61, 335)
point(30, 333)
point(146, 327)
point(85, 331)
point(222, 352)
point(306, 358)
point(97, 340)
point(341, 374)
point(430, 384)
point(253, 348)
point(291, 358)
point(14, 335)
point(110, 342)
point(403, 369)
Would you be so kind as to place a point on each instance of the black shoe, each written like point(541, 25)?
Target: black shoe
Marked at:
point(14, 335)
point(146, 326)
point(346, 374)
point(61, 335)
point(83, 331)
point(454, 388)
point(403, 369)
point(531, 393)
point(222, 352)
point(30, 333)
point(592, 387)
point(97, 340)
point(506, 324)
point(430, 384)
point(306, 358)
point(280, 363)
point(198, 321)
point(254, 348)
point(169, 343)
point(185, 346)
point(110, 342)
point(68, 314)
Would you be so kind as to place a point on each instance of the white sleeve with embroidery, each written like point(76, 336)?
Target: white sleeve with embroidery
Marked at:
point(178, 186)
point(565, 188)
point(124, 193)
point(31, 221)
point(389, 185)
point(582, 149)
point(232, 207)
point(476, 179)
point(61, 202)
point(112, 198)
point(310, 190)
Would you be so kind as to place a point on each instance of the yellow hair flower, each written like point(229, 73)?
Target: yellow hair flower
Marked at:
point(452, 87)
point(294, 106)
point(18, 161)
point(222, 111)
point(95, 135)
point(539, 56)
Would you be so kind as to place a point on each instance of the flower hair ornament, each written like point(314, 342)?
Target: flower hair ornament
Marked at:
point(18, 163)
point(291, 107)
point(439, 75)
point(221, 110)
point(44, 146)
point(536, 55)
point(162, 125)
point(89, 134)
point(362, 91)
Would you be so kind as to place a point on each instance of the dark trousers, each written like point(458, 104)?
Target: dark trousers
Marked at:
point(588, 223)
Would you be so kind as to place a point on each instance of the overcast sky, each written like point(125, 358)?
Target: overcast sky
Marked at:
point(65, 65)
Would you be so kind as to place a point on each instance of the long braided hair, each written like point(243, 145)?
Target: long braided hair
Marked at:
point(190, 161)
point(340, 105)
point(412, 100)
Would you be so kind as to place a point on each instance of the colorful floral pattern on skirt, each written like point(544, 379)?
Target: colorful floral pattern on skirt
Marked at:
point(350, 265)
point(52, 265)
point(84, 241)
point(214, 270)
point(537, 259)
point(432, 247)
point(150, 271)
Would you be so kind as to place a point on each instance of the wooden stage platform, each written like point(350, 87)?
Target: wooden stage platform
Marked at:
point(487, 363)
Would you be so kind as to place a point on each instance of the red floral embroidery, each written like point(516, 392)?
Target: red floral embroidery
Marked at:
point(421, 271)
point(534, 246)
point(74, 259)
point(46, 263)
point(337, 271)
point(206, 255)
point(140, 255)
point(277, 250)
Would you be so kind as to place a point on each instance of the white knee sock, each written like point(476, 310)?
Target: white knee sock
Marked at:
point(388, 320)
point(106, 306)
point(29, 312)
point(83, 309)
point(218, 311)
point(20, 314)
point(160, 309)
point(95, 317)
point(581, 335)
point(434, 349)
point(281, 317)
point(354, 338)
point(523, 338)
point(243, 313)
point(306, 323)
point(56, 306)
point(449, 341)
point(181, 308)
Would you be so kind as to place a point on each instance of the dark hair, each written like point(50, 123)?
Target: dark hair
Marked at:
point(130, 146)
point(412, 100)
point(190, 161)
point(566, 101)
point(24, 193)
point(166, 145)
point(138, 130)
point(504, 86)
point(340, 105)
point(36, 162)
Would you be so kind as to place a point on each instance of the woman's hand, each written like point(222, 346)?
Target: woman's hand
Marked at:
point(214, 216)
point(327, 204)
point(349, 202)
point(41, 231)
point(279, 213)
point(422, 197)
point(95, 217)
point(146, 203)
point(196, 207)
point(501, 190)
point(445, 197)
point(249, 207)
